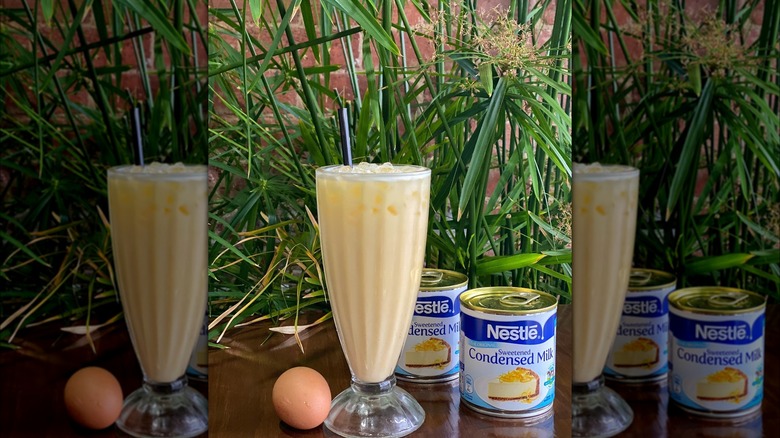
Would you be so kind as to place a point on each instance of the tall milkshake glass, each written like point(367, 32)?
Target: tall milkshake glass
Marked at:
point(158, 217)
point(373, 224)
point(603, 224)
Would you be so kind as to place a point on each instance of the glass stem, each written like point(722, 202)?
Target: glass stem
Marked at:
point(369, 389)
point(588, 387)
point(165, 388)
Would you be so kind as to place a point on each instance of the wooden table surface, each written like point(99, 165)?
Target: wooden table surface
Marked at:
point(32, 380)
point(33, 377)
point(656, 416)
point(241, 378)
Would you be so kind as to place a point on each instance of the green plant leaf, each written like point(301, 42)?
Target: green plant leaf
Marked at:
point(158, 19)
point(551, 273)
point(231, 247)
point(288, 49)
point(310, 26)
point(486, 77)
point(47, 7)
point(742, 172)
point(548, 228)
point(585, 32)
point(356, 11)
point(256, 8)
point(694, 78)
point(22, 247)
point(703, 265)
point(487, 131)
point(67, 39)
point(765, 275)
point(687, 165)
point(498, 264)
point(762, 232)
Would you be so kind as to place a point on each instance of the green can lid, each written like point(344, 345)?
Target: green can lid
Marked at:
point(716, 300)
point(649, 279)
point(507, 300)
point(441, 279)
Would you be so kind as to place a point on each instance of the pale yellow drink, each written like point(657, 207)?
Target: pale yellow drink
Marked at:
point(603, 224)
point(373, 226)
point(158, 216)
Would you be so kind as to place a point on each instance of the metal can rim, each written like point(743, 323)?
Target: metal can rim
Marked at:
point(677, 295)
point(483, 290)
point(671, 277)
point(463, 277)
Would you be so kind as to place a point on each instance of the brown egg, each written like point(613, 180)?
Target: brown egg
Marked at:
point(93, 398)
point(301, 398)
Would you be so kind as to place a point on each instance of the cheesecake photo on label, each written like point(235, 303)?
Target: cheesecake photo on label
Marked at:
point(520, 384)
point(638, 353)
point(726, 384)
point(430, 353)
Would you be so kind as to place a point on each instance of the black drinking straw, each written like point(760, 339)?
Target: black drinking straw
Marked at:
point(346, 149)
point(135, 120)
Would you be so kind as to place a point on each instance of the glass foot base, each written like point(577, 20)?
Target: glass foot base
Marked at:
point(164, 410)
point(598, 411)
point(374, 410)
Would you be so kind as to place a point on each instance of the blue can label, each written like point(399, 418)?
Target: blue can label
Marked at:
point(431, 352)
point(508, 361)
point(640, 349)
point(716, 361)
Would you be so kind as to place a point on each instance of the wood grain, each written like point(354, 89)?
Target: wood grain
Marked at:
point(32, 380)
point(33, 377)
point(242, 377)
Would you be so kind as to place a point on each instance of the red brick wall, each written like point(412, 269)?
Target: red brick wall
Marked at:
point(340, 80)
point(696, 10)
point(130, 79)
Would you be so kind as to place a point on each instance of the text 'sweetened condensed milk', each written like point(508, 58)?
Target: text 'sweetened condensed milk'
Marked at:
point(431, 350)
point(639, 352)
point(716, 350)
point(507, 351)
